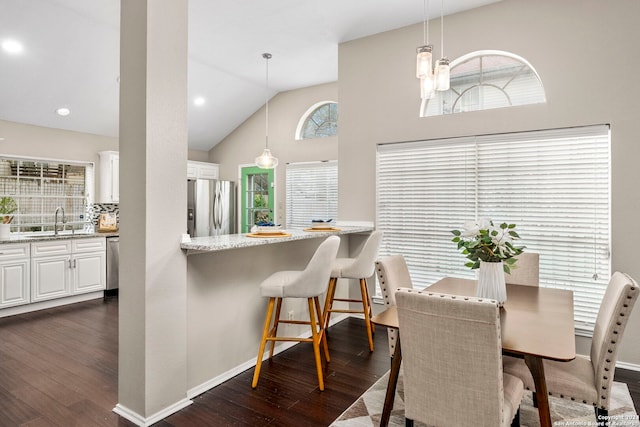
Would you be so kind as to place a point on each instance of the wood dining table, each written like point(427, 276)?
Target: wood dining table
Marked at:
point(536, 324)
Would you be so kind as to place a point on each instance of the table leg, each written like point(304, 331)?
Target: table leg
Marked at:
point(391, 386)
point(537, 371)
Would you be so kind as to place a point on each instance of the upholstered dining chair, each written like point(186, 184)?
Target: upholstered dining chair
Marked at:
point(589, 379)
point(452, 358)
point(361, 267)
point(393, 273)
point(526, 271)
point(309, 283)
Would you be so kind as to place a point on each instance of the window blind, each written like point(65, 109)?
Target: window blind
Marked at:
point(554, 185)
point(312, 192)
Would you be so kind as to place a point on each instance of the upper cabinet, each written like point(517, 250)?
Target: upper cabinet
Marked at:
point(109, 177)
point(202, 170)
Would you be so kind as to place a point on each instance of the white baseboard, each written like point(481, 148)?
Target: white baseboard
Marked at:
point(213, 382)
point(139, 420)
point(629, 366)
point(20, 309)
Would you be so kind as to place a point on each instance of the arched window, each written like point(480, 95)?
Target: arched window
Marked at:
point(484, 80)
point(319, 121)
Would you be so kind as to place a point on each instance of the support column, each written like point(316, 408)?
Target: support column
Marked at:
point(152, 377)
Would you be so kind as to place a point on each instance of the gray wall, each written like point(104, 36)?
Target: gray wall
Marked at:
point(570, 43)
point(245, 143)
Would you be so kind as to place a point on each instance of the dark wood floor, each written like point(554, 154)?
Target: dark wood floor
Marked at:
point(58, 367)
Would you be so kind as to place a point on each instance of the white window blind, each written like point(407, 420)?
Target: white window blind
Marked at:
point(312, 192)
point(554, 185)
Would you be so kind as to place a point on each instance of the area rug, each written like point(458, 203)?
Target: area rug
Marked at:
point(365, 412)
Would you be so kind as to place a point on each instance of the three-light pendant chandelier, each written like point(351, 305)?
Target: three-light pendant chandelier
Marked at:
point(432, 79)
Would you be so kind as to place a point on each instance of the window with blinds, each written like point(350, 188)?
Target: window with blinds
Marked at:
point(312, 192)
point(554, 185)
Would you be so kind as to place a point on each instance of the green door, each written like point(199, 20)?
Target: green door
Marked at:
point(257, 196)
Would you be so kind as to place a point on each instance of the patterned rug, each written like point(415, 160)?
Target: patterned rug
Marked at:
point(365, 412)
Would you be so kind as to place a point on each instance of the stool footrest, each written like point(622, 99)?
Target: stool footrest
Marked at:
point(335, 310)
point(347, 300)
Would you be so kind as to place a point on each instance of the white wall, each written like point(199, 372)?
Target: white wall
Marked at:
point(571, 44)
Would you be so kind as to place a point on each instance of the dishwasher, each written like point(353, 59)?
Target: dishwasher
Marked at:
point(113, 257)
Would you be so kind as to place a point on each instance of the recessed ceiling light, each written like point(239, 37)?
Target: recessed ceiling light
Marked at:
point(199, 101)
point(12, 46)
point(63, 111)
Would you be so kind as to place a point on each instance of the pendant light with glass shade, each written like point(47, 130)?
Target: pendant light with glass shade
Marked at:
point(266, 159)
point(442, 70)
point(424, 59)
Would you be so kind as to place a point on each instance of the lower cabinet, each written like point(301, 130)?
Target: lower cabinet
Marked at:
point(14, 275)
point(61, 268)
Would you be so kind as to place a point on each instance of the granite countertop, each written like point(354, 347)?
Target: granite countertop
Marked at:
point(38, 237)
point(235, 241)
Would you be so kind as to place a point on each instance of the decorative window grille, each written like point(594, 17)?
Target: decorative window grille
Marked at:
point(312, 192)
point(553, 184)
point(40, 186)
point(321, 120)
point(484, 80)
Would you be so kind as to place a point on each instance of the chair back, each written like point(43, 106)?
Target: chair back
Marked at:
point(526, 271)
point(363, 264)
point(617, 303)
point(452, 358)
point(393, 273)
point(315, 277)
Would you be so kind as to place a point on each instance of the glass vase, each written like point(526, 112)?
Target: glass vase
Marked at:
point(491, 282)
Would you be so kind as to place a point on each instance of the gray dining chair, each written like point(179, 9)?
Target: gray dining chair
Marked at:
point(589, 379)
point(309, 283)
point(452, 359)
point(393, 273)
point(526, 271)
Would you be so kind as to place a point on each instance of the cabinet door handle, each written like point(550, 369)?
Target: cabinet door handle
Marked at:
point(74, 263)
point(69, 263)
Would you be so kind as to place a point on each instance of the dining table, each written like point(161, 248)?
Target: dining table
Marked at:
point(536, 324)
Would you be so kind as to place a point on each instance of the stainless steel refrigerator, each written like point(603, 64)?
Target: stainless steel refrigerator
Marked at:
point(211, 207)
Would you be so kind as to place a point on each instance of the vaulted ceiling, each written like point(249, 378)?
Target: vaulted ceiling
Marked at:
point(70, 56)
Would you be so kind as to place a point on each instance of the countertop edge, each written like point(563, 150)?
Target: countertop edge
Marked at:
point(210, 244)
point(26, 238)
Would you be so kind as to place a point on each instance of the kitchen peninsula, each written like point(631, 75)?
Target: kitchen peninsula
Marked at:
point(225, 310)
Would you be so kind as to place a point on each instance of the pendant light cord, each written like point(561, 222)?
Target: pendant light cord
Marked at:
point(266, 56)
point(442, 27)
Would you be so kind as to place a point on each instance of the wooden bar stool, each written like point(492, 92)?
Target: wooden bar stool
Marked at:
point(310, 284)
point(358, 268)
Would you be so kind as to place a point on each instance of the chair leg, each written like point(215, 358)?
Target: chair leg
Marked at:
point(328, 303)
point(276, 322)
point(365, 305)
point(263, 342)
point(373, 327)
point(534, 396)
point(323, 330)
point(316, 343)
point(516, 419)
point(408, 422)
point(602, 415)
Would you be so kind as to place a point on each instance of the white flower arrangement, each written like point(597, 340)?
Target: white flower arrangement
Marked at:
point(482, 241)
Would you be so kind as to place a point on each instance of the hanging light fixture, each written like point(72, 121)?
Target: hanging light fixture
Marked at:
point(266, 159)
point(424, 58)
point(442, 71)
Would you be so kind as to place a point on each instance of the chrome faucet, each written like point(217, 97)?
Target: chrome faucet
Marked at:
point(64, 220)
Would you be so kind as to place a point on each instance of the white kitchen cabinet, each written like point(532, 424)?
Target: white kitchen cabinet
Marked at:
point(202, 170)
point(88, 265)
point(62, 268)
point(50, 262)
point(109, 177)
point(14, 275)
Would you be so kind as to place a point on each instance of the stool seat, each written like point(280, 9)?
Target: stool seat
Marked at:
point(283, 284)
point(309, 283)
point(358, 268)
